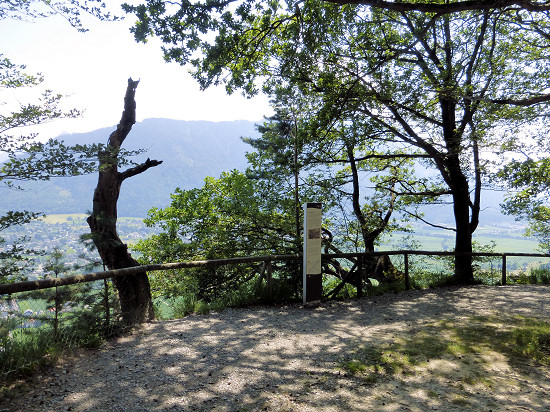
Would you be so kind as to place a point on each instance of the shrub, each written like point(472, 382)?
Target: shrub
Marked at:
point(541, 275)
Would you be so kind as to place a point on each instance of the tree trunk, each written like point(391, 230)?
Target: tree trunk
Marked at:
point(458, 183)
point(376, 267)
point(133, 290)
point(463, 241)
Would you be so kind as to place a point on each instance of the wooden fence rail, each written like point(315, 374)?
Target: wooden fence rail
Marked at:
point(90, 277)
point(9, 288)
point(407, 253)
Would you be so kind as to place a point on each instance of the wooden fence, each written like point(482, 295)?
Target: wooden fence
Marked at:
point(89, 277)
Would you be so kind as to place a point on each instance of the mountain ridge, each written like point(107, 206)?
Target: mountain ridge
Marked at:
point(190, 151)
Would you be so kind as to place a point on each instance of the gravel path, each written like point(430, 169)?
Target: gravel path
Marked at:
point(290, 358)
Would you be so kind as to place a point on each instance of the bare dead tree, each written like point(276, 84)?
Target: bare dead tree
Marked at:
point(133, 290)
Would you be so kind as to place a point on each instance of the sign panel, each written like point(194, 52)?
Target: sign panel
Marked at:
point(312, 279)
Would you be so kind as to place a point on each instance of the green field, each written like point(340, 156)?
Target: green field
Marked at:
point(63, 218)
point(508, 240)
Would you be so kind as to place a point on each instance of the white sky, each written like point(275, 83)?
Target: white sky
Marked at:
point(92, 68)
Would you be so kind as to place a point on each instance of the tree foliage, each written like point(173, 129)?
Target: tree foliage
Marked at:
point(231, 216)
point(29, 158)
point(71, 10)
point(528, 200)
point(450, 85)
point(443, 8)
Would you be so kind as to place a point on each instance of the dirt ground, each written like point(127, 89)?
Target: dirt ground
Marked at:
point(365, 355)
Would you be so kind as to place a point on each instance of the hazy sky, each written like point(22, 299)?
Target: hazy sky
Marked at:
point(92, 69)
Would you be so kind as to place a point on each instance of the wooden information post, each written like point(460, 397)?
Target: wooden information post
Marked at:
point(313, 282)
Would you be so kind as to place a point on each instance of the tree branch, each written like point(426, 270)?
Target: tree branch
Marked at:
point(447, 8)
point(373, 156)
point(128, 118)
point(522, 102)
point(138, 169)
point(428, 223)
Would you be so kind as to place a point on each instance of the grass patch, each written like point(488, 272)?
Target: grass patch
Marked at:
point(27, 350)
point(246, 294)
point(542, 275)
point(460, 400)
point(532, 339)
point(182, 306)
point(464, 349)
point(534, 276)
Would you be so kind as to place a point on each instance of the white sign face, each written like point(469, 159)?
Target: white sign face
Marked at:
point(313, 240)
point(313, 281)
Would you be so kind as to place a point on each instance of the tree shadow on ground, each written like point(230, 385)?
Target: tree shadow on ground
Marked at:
point(301, 359)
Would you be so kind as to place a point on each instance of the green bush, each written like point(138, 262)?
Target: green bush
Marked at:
point(26, 349)
point(28, 341)
point(248, 293)
point(183, 306)
point(534, 276)
point(428, 279)
point(541, 275)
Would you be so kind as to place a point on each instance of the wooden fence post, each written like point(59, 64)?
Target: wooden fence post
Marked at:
point(407, 278)
point(503, 269)
point(269, 280)
point(360, 276)
point(107, 320)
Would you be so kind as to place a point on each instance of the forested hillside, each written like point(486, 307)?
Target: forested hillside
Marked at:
point(190, 151)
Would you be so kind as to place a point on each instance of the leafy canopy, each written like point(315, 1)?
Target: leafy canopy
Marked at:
point(232, 216)
point(452, 85)
point(70, 10)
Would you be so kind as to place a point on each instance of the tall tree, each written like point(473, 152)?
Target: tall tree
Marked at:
point(278, 157)
point(435, 84)
point(134, 290)
point(444, 84)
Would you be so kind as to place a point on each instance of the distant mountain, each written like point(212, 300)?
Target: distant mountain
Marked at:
point(190, 151)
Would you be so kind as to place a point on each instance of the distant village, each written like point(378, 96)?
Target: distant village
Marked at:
point(65, 234)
